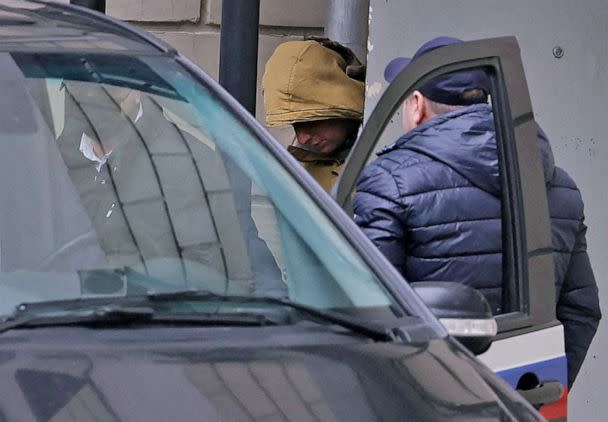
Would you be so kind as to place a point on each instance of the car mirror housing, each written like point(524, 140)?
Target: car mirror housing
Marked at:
point(463, 311)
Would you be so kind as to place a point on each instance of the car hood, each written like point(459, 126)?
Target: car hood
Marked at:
point(235, 374)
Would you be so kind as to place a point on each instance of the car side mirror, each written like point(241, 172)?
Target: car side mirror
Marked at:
point(463, 311)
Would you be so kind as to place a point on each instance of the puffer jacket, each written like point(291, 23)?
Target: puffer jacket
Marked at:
point(431, 202)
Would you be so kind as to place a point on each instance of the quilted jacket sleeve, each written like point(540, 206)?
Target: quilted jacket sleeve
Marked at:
point(378, 211)
point(578, 306)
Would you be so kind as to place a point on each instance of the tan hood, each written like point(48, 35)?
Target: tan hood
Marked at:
point(305, 81)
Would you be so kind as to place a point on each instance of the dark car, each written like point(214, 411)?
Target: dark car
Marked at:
point(163, 258)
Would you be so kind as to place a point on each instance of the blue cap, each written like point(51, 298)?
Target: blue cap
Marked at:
point(445, 89)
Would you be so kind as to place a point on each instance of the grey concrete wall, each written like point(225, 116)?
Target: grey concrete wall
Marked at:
point(193, 28)
point(570, 99)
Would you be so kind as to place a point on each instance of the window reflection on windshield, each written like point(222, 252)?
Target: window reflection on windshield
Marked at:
point(132, 164)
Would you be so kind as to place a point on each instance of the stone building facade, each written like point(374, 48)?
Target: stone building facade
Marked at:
point(193, 28)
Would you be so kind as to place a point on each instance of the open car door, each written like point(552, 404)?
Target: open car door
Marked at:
point(528, 351)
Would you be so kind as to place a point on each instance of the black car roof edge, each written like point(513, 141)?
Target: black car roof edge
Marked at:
point(147, 37)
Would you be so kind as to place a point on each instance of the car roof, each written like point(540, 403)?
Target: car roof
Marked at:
point(33, 25)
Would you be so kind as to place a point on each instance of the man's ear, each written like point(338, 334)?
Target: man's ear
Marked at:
point(420, 108)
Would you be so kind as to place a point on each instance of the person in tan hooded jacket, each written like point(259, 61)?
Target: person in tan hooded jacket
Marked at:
point(317, 86)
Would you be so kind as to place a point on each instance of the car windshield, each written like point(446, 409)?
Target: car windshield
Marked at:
point(123, 175)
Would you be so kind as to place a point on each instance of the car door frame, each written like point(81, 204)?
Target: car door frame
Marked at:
point(528, 269)
point(527, 246)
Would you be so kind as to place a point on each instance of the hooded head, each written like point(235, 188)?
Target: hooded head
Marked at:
point(305, 81)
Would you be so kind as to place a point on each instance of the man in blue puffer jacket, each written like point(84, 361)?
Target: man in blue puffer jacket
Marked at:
point(431, 202)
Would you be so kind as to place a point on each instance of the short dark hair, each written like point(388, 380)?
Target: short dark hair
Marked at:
point(472, 96)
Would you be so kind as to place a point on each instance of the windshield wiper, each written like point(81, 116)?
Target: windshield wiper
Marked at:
point(112, 315)
point(82, 311)
point(107, 314)
point(368, 329)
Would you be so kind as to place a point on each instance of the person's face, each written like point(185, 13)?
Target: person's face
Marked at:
point(324, 136)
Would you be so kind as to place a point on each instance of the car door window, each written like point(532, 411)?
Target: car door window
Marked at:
point(527, 276)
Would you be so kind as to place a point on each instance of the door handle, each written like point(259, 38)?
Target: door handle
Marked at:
point(546, 393)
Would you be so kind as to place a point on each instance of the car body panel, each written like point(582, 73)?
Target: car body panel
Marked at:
point(301, 373)
point(511, 358)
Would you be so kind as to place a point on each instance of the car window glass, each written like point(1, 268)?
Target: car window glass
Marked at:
point(134, 178)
